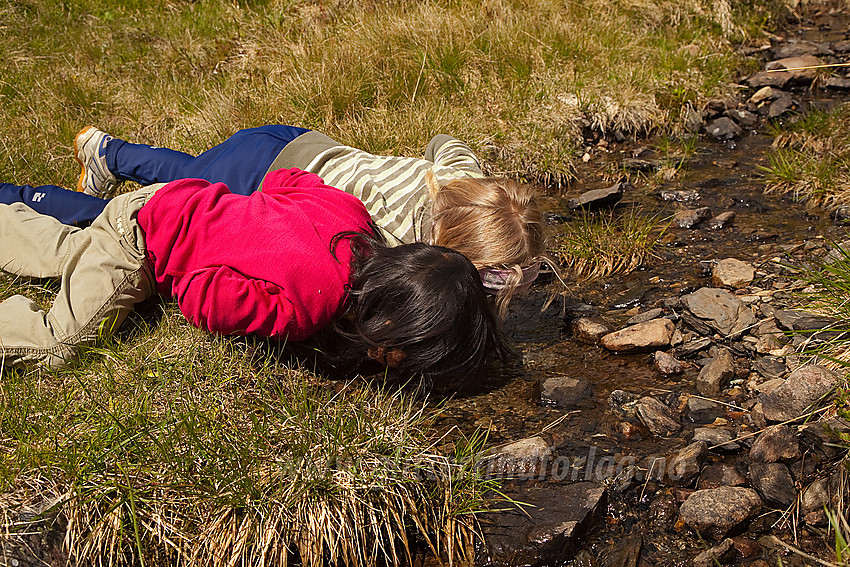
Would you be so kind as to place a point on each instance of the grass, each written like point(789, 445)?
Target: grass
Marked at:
point(811, 158)
point(168, 446)
point(212, 452)
point(607, 243)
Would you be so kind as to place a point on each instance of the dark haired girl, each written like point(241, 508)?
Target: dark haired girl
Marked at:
point(278, 263)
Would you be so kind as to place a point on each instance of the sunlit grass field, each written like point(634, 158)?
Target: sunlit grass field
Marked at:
point(165, 445)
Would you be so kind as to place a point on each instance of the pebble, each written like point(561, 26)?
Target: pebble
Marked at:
point(659, 418)
point(685, 464)
point(716, 374)
point(635, 338)
point(596, 198)
point(667, 364)
point(563, 391)
point(724, 129)
point(717, 439)
point(589, 331)
point(721, 221)
point(731, 272)
point(690, 218)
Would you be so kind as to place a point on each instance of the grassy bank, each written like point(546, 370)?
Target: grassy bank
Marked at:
point(165, 442)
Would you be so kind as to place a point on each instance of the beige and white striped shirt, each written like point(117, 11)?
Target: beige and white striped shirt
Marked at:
point(393, 189)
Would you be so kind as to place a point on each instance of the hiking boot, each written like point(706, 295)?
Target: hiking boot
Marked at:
point(90, 152)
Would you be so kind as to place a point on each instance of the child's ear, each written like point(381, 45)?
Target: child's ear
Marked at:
point(433, 186)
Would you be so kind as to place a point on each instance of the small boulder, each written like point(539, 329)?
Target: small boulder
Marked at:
point(666, 364)
point(659, 418)
point(776, 443)
point(720, 310)
point(714, 375)
point(724, 129)
point(640, 337)
point(731, 272)
point(589, 331)
point(774, 483)
point(801, 389)
point(596, 198)
point(717, 511)
point(690, 218)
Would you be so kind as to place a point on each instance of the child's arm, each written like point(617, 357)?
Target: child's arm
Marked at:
point(223, 301)
point(451, 152)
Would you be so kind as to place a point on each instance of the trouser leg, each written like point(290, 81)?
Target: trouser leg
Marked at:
point(103, 274)
point(241, 161)
point(69, 207)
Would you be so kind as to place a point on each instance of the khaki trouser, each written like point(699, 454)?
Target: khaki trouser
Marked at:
point(102, 270)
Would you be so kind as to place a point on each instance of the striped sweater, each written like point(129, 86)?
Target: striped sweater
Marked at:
point(392, 188)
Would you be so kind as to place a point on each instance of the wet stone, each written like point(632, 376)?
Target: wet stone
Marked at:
point(764, 94)
point(721, 474)
point(802, 388)
point(716, 374)
point(731, 272)
point(721, 221)
point(579, 310)
point(685, 464)
point(724, 129)
point(770, 367)
point(796, 75)
point(838, 83)
point(720, 554)
point(648, 315)
point(701, 410)
point(589, 331)
point(719, 309)
point(662, 511)
point(776, 443)
point(666, 364)
point(636, 338)
point(691, 347)
point(600, 197)
point(545, 529)
point(690, 218)
point(743, 118)
point(763, 79)
point(717, 439)
point(717, 511)
point(782, 106)
point(622, 402)
point(659, 418)
point(680, 196)
point(796, 48)
point(774, 483)
point(523, 458)
point(563, 391)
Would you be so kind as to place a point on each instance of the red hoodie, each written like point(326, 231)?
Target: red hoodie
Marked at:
point(257, 264)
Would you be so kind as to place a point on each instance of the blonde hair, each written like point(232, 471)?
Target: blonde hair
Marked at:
point(495, 222)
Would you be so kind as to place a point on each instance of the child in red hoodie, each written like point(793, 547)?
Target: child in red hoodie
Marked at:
point(282, 262)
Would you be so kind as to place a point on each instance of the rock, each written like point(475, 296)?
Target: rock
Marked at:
point(743, 118)
point(626, 552)
point(802, 388)
point(690, 218)
point(768, 386)
point(776, 443)
point(764, 80)
point(770, 367)
point(685, 464)
point(795, 48)
point(641, 165)
point(701, 410)
point(524, 458)
point(720, 554)
point(680, 196)
point(782, 106)
point(717, 511)
point(636, 338)
point(600, 197)
point(691, 347)
point(763, 94)
point(837, 83)
point(816, 496)
point(822, 437)
point(796, 75)
point(774, 483)
point(666, 364)
point(720, 474)
point(798, 320)
point(579, 310)
point(545, 529)
point(721, 221)
point(657, 417)
point(841, 46)
point(724, 129)
point(648, 315)
point(563, 391)
point(731, 272)
point(691, 118)
point(720, 310)
point(589, 331)
point(717, 439)
point(714, 375)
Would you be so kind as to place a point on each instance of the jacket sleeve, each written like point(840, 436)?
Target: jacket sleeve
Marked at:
point(451, 152)
point(221, 300)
